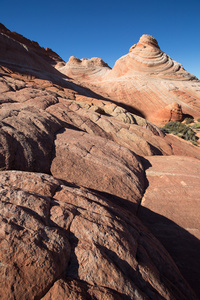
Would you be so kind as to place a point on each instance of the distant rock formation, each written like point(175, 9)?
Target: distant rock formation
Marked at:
point(94, 61)
point(149, 80)
point(146, 57)
point(81, 174)
point(84, 68)
point(146, 80)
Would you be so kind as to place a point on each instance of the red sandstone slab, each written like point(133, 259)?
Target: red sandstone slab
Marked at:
point(170, 208)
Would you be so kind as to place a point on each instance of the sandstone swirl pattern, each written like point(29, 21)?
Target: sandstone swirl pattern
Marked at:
point(147, 57)
point(76, 179)
point(145, 80)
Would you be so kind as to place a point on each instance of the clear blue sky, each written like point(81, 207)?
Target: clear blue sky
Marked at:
point(106, 28)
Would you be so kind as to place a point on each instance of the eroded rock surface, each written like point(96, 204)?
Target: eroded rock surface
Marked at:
point(86, 68)
point(26, 138)
point(97, 164)
point(33, 251)
point(93, 243)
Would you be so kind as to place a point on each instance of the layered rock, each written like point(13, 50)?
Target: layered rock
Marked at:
point(86, 69)
point(147, 58)
point(22, 58)
point(153, 81)
point(145, 80)
point(171, 112)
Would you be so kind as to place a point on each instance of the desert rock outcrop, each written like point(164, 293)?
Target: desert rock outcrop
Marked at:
point(146, 80)
point(88, 186)
point(47, 54)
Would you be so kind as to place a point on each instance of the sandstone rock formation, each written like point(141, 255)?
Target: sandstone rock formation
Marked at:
point(171, 112)
point(146, 57)
point(97, 164)
point(85, 68)
point(47, 54)
point(33, 251)
point(146, 80)
point(96, 201)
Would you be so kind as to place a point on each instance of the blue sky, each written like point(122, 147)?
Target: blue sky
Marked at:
point(107, 29)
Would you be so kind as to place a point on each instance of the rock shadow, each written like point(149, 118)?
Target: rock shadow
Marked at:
point(129, 108)
point(134, 275)
point(146, 165)
point(187, 116)
point(73, 266)
point(183, 247)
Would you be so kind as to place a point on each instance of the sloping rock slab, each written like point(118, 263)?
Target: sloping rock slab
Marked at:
point(97, 163)
point(181, 147)
point(171, 210)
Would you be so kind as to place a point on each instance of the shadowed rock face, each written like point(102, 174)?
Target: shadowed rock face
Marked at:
point(172, 196)
point(27, 137)
point(77, 179)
